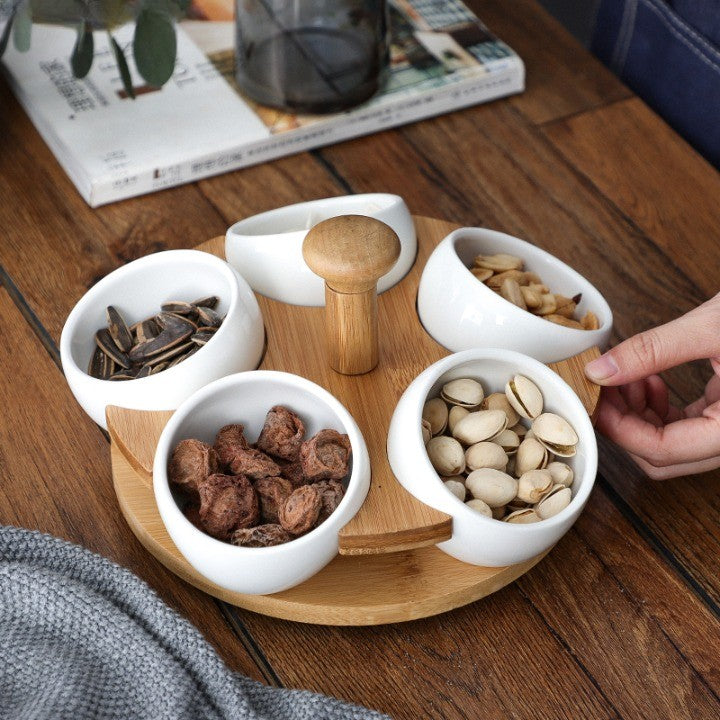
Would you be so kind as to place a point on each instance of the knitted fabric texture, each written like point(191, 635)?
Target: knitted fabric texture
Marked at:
point(81, 637)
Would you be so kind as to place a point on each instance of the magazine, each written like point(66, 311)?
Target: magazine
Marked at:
point(442, 58)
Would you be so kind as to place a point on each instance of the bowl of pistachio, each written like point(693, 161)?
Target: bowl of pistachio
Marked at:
point(254, 476)
point(150, 333)
point(482, 288)
point(501, 443)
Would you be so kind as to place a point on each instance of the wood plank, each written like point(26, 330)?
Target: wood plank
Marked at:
point(575, 637)
point(563, 78)
point(56, 478)
point(670, 193)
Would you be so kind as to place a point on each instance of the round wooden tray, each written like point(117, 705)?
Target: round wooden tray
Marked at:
point(388, 569)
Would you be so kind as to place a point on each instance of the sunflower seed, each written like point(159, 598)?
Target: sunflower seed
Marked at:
point(145, 370)
point(210, 302)
point(203, 336)
point(208, 317)
point(170, 353)
point(180, 307)
point(118, 329)
point(107, 345)
point(147, 330)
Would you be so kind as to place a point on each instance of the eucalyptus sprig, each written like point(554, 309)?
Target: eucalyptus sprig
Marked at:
point(154, 41)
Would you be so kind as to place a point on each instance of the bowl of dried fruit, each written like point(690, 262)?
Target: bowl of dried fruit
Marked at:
point(254, 476)
point(152, 332)
point(482, 288)
point(501, 443)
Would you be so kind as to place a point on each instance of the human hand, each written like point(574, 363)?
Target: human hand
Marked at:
point(635, 412)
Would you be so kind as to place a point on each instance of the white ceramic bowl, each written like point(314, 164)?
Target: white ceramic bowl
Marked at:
point(460, 312)
point(137, 290)
point(245, 398)
point(267, 248)
point(477, 539)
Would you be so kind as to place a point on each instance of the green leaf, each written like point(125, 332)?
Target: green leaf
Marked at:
point(83, 52)
point(22, 31)
point(123, 67)
point(6, 32)
point(155, 46)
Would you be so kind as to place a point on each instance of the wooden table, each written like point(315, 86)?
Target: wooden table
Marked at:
point(621, 619)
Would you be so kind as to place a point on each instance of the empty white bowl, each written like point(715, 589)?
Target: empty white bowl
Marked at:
point(267, 248)
point(477, 539)
point(460, 312)
point(137, 290)
point(245, 398)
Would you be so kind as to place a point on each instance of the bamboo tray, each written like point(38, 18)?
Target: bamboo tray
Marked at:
point(388, 569)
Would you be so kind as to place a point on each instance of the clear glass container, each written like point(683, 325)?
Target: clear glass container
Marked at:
point(311, 56)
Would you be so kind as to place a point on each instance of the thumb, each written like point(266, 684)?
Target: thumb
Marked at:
point(693, 336)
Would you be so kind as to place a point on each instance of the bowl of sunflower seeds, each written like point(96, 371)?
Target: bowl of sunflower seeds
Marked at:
point(154, 331)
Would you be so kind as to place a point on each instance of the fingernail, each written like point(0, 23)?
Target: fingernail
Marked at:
point(602, 368)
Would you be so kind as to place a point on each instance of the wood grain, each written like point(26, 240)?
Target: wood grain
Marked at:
point(56, 477)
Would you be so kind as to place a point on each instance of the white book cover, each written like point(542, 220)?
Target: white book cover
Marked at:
point(198, 124)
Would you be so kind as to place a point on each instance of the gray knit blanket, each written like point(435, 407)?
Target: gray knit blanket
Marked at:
point(82, 638)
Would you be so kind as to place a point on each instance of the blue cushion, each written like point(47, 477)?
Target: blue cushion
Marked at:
point(667, 54)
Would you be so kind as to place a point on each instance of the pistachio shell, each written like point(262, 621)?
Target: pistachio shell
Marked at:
point(508, 440)
point(531, 455)
point(524, 396)
point(498, 513)
point(492, 486)
point(498, 401)
point(456, 414)
point(435, 412)
point(457, 488)
point(480, 507)
point(556, 434)
point(533, 484)
point(520, 429)
point(480, 425)
point(523, 516)
point(562, 474)
point(485, 455)
point(426, 431)
point(510, 467)
point(465, 392)
point(446, 455)
point(555, 501)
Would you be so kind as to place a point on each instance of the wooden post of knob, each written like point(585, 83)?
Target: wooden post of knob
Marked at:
point(351, 253)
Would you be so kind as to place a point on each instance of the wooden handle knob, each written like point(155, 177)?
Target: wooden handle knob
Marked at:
point(351, 253)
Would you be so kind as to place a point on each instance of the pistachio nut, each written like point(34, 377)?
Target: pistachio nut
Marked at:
point(485, 455)
point(435, 411)
point(480, 507)
point(590, 321)
point(519, 429)
point(532, 298)
point(446, 455)
point(494, 487)
point(498, 513)
point(523, 516)
point(565, 322)
point(456, 413)
point(531, 455)
point(426, 429)
point(499, 262)
point(480, 425)
point(562, 473)
point(556, 434)
point(508, 440)
point(510, 290)
point(524, 396)
point(533, 484)
point(465, 392)
point(482, 274)
point(510, 467)
point(498, 401)
point(456, 487)
point(556, 500)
